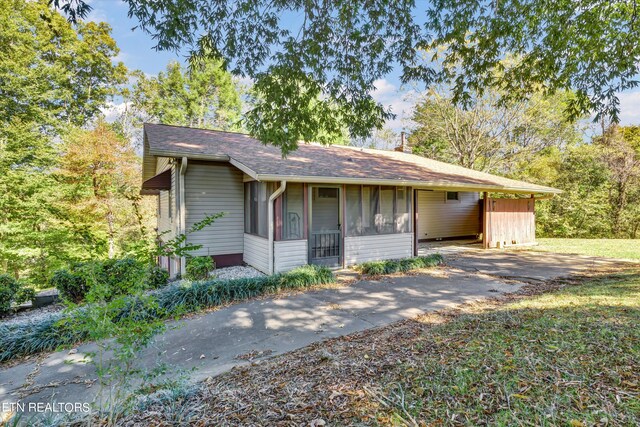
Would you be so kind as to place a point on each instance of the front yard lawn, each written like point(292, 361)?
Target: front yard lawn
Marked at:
point(607, 248)
point(569, 357)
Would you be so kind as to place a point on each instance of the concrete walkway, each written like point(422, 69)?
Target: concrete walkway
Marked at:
point(212, 343)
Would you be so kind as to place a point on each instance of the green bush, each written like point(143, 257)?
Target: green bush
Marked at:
point(122, 276)
point(24, 294)
point(12, 291)
point(156, 277)
point(377, 268)
point(8, 289)
point(197, 295)
point(49, 333)
point(72, 286)
point(199, 267)
point(105, 279)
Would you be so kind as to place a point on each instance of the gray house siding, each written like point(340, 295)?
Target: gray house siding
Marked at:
point(256, 252)
point(442, 218)
point(209, 189)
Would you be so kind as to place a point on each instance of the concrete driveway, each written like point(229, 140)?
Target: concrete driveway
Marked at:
point(212, 343)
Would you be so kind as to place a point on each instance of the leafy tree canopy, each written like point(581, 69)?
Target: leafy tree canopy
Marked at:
point(204, 96)
point(490, 136)
point(54, 76)
point(51, 73)
point(294, 50)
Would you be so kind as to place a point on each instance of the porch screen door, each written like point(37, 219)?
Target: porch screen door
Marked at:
point(325, 227)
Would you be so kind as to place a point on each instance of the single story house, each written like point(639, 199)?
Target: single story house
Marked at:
point(329, 205)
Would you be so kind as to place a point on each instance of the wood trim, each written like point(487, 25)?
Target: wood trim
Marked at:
point(485, 227)
point(161, 181)
point(305, 210)
point(414, 193)
point(227, 260)
point(278, 218)
point(343, 219)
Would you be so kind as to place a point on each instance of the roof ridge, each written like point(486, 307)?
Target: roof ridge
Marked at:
point(197, 128)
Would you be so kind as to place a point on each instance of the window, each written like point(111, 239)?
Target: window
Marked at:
point(327, 193)
point(453, 195)
point(256, 198)
point(292, 212)
point(373, 209)
point(370, 198)
point(170, 199)
point(354, 210)
point(403, 210)
point(385, 219)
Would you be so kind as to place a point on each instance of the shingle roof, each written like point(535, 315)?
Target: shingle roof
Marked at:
point(315, 163)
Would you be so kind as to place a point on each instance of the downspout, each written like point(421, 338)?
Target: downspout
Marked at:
point(272, 198)
point(182, 225)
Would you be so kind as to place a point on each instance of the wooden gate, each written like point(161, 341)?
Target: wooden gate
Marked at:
point(509, 222)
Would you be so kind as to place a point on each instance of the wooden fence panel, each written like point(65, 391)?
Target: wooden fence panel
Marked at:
point(510, 222)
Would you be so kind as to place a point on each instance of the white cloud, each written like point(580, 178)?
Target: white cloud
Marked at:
point(400, 102)
point(97, 14)
point(630, 107)
point(121, 57)
point(113, 110)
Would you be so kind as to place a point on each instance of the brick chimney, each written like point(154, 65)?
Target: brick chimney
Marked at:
point(403, 147)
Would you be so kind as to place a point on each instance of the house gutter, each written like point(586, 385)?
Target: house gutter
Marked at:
point(270, 216)
point(432, 185)
point(182, 226)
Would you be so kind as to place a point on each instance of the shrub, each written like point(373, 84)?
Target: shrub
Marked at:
point(24, 294)
point(156, 277)
point(122, 276)
point(8, 289)
point(72, 286)
point(48, 333)
point(197, 295)
point(104, 279)
point(199, 267)
point(45, 333)
point(376, 268)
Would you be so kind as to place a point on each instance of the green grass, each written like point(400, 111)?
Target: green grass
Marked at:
point(566, 358)
point(607, 248)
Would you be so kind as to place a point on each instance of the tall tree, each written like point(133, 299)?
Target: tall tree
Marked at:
point(489, 135)
point(581, 209)
point(53, 76)
point(620, 152)
point(600, 180)
point(102, 172)
point(203, 96)
point(296, 50)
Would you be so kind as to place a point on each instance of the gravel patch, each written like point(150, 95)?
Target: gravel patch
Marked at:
point(31, 315)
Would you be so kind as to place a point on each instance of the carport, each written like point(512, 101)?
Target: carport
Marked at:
point(459, 218)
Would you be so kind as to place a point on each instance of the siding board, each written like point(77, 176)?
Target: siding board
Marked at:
point(358, 249)
point(166, 224)
point(212, 188)
point(162, 164)
point(256, 252)
point(289, 254)
point(439, 218)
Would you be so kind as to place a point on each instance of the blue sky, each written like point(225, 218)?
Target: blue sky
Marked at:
point(136, 51)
